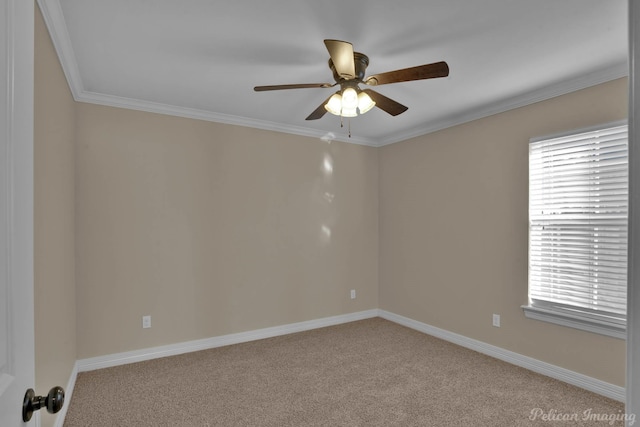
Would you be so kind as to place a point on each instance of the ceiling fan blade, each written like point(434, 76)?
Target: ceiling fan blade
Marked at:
point(386, 104)
point(428, 71)
point(342, 57)
point(319, 112)
point(294, 86)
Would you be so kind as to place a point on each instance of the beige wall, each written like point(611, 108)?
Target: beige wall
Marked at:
point(453, 230)
point(54, 241)
point(214, 229)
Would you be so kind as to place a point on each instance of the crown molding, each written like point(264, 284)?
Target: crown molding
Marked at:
point(529, 98)
point(197, 114)
point(562, 88)
point(54, 19)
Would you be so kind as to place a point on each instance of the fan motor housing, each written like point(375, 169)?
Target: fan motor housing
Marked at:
point(361, 63)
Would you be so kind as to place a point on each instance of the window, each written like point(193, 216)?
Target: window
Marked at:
point(578, 212)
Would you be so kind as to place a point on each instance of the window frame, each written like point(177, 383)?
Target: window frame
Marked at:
point(557, 313)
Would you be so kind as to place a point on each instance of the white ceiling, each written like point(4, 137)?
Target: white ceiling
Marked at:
point(202, 58)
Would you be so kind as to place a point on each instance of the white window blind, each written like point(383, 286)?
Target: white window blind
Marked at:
point(578, 209)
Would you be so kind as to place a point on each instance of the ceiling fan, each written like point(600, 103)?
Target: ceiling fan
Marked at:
point(348, 69)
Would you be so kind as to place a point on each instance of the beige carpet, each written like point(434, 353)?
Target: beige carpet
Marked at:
point(366, 373)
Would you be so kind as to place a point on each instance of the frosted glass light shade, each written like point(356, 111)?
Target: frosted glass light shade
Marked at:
point(334, 105)
point(349, 112)
point(365, 103)
point(349, 98)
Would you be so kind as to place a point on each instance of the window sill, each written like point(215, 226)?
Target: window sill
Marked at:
point(572, 321)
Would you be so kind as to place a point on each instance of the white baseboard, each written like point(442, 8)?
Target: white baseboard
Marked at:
point(110, 360)
point(580, 380)
point(588, 383)
point(68, 392)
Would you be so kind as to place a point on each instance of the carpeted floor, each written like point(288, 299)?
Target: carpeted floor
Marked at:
point(366, 373)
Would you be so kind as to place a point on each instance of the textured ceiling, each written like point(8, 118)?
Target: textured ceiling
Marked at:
point(202, 58)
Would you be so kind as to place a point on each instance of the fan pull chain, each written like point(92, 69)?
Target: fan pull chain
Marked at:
point(348, 124)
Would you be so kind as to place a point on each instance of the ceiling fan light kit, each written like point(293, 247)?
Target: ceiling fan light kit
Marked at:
point(346, 102)
point(348, 68)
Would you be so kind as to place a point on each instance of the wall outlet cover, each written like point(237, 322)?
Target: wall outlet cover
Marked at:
point(496, 320)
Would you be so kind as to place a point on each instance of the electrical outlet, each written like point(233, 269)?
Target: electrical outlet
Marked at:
point(353, 294)
point(146, 321)
point(496, 320)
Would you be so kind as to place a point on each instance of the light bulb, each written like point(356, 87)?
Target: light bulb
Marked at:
point(349, 99)
point(365, 103)
point(334, 105)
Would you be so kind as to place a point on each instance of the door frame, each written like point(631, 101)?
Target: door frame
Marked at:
point(633, 290)
point(16, 139)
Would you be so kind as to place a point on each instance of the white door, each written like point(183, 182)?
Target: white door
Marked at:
point(16, 208)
